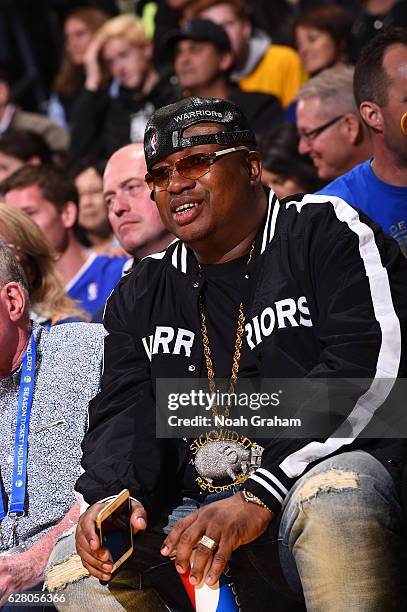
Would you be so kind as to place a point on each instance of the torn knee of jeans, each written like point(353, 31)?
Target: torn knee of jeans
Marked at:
point(326, 482)
point(65, 572)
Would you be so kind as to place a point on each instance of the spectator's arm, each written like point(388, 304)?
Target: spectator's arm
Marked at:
point(120, 449)
point(24, 570)
point(87, 122)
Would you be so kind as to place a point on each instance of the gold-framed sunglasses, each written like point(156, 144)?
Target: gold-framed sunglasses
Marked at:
point(190, 167)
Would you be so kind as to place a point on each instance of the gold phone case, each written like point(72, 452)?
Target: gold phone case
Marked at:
point(107, 511)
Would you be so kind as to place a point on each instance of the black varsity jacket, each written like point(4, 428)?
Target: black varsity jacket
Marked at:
point(343, 283)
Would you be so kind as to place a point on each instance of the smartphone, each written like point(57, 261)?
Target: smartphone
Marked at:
point(115, 532)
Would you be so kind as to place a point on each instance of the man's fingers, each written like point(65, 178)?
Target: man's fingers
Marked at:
point(87, 526)
point(83, 546)
point(96, 559)
point(102, 563)
point(171, 541)
point(96, 573)
point(138, 517)
point(201, 558)
point(219, 562)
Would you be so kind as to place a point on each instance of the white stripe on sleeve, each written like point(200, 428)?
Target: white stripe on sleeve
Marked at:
point(271, 477)
point(267, 486)
point(390, 349)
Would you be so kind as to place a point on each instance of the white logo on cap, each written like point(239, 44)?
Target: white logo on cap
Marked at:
point(153, 143)
point(197, 114)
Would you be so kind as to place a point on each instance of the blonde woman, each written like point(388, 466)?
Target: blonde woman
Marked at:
point(104, 121)
point(49, 303)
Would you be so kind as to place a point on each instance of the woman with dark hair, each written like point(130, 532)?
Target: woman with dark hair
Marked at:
point(79, 27)
point(322, 37)
point(284, 169)
point(93, 230)
point(20, 147)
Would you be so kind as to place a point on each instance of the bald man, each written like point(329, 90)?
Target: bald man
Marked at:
point(133, 215)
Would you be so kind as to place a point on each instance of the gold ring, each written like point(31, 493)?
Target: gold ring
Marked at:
point(208, 542)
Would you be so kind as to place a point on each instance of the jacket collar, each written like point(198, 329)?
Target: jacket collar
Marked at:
point(184, 260)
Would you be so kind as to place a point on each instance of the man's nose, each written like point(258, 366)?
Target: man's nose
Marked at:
point(85, 201)
point(177, 183)
point(303, 146)
point(120, 204)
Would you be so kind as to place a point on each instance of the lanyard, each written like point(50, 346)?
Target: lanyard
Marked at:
point(25, 399)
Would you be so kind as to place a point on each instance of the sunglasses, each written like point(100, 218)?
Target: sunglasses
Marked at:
point(190, 167)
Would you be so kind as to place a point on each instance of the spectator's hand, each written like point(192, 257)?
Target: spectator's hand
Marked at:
point(229, 522)
point(95, 558)
point(18, 573)
point(92, 65)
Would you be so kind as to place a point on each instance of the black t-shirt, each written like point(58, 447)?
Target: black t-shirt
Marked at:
point(221, 297)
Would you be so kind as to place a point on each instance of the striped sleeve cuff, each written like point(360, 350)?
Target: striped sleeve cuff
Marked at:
point(271, 489)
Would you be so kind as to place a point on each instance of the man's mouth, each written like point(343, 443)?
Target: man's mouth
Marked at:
point(184, 207)
point(126, 224)
point(185, 212)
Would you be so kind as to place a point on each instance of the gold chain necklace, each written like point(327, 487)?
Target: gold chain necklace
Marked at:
point(208, 450)
point(236, 354)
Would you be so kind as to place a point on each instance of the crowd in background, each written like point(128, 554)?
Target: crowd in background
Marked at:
point(79, 81)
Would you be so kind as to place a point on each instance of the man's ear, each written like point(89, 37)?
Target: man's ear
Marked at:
point(4, 93)
point(255, 165)
point(69, 214)
point(34, 161)
point(247, 29)
point(226, 61)
point(372, 115)
point(14, 300)
point(352, 128)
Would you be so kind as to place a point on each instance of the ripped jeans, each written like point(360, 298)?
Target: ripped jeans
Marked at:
point(337, 546)
point(340, 538)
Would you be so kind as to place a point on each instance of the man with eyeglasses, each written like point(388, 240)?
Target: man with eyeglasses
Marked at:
point(329, 126)
point(379, 185)
point(252, 289)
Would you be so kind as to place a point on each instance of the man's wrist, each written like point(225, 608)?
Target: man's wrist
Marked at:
point(249, 497)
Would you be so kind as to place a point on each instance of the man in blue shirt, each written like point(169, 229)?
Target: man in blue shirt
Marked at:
point(52, 201)
point(330, 129)
point(379, 185)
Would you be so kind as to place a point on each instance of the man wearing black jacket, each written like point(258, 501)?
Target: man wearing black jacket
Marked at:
point(306, 288)
point(203, 61)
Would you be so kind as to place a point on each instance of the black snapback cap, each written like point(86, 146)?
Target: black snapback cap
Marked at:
point(165, 128)
point(200, 30)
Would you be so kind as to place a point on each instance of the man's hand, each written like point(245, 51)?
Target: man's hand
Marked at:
point(92, 65)
point(18, 573)
point(95, 558)
point(24, 570)
point(229, 522)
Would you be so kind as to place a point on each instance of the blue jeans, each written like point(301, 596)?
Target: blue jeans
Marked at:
point(340, 537)
point(337, 546)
